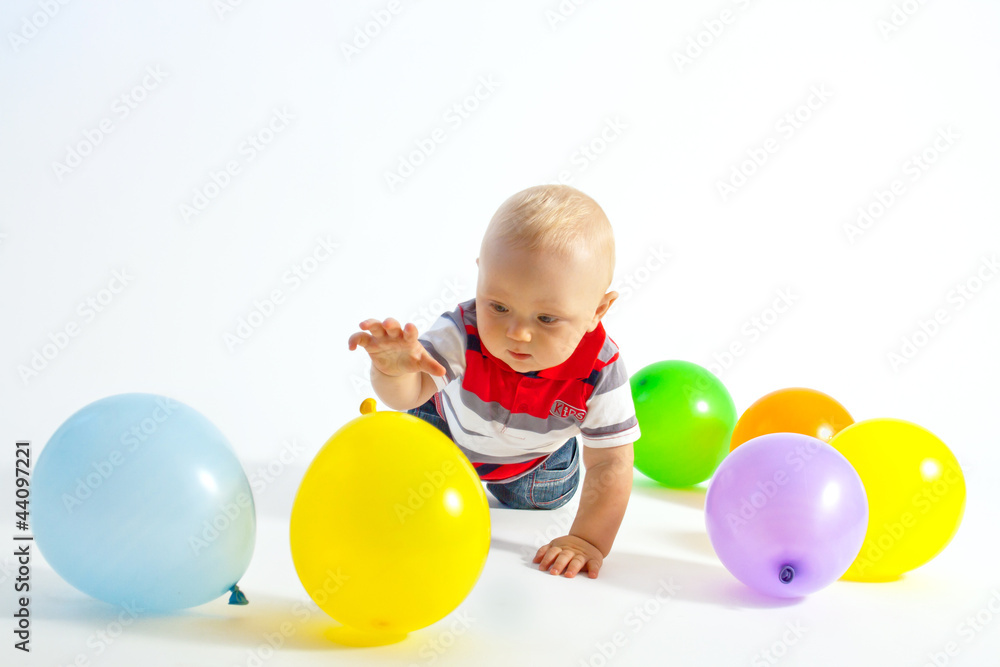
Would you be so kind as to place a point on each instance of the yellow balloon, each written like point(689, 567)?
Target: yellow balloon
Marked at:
point(916, 495)
point(390, 527)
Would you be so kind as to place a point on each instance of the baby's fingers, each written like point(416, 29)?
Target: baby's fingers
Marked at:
point(547, 557)
point(359, 338)
point(578, 563)
point(374, 326)
point(562, 560)
point(391, 326)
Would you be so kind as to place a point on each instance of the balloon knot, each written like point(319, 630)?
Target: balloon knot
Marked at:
point(787, 574)
point(237, 597)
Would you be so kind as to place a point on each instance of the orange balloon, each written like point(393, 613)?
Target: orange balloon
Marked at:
point(792, 410)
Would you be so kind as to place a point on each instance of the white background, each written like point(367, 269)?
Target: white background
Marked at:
point(675, 131)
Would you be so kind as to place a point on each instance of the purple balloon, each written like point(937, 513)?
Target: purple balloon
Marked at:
point(786, 513)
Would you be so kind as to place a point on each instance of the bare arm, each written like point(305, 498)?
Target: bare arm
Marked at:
point(607, 484)
point(403, 392)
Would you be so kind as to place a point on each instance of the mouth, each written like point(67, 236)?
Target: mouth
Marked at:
point(518, 355)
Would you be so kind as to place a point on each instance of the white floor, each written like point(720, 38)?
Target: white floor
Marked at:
point(214, 152)
point(662, 598)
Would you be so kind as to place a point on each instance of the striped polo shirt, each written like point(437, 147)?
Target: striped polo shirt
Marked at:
point(506, 422)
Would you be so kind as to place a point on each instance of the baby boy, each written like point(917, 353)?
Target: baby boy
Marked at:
point(515, 374)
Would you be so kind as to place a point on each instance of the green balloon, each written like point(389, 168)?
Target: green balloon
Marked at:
point(686, 417)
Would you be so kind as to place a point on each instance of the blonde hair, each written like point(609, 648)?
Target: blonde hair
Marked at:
point(555, 218)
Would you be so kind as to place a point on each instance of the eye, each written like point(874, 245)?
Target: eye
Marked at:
point(498, 308)
point(546, 319)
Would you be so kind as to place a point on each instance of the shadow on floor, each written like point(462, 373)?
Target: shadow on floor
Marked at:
point(266, 624)
point(695, 542)
point(658, 576)
point(692, 496)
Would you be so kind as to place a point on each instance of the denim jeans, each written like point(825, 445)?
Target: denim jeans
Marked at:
point(547, 487)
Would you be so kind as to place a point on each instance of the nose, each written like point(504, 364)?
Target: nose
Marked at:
point(517, 331)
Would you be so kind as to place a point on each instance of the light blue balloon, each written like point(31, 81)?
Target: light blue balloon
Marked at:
point(138, 499)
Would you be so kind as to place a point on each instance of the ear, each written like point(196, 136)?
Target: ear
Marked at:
point(602, 308)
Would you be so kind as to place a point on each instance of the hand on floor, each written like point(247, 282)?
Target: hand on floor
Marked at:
point(570, 553)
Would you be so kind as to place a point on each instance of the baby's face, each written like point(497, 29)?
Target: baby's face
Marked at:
point(534, 307)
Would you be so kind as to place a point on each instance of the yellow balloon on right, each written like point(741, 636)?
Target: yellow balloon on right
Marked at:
point(916, 495)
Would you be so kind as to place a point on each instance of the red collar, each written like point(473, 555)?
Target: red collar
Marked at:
point(579, 365)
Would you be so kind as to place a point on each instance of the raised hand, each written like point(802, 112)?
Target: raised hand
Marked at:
point(394, 350)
